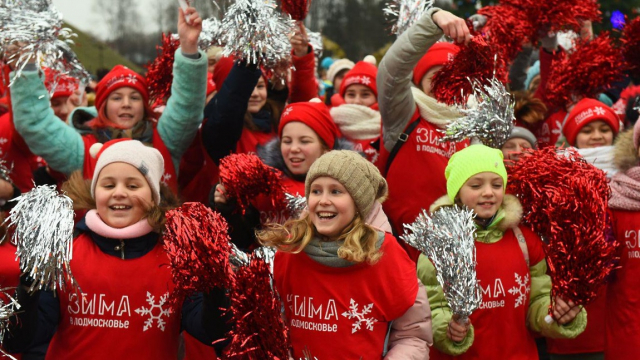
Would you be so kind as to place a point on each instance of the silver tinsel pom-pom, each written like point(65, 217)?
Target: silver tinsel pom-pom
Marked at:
point(211, 34)
point(8, 308)
point(448, 239)
point(296, 204)
point(5, 171)
point(405, 13)
point(42, 223)
point(315, 39)
point(256, 32)
point(38, 25)
point(490, 121)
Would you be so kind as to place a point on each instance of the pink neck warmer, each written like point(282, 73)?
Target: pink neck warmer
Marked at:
point(97, 225)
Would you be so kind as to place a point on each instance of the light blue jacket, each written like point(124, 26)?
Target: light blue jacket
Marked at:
point(60, 144)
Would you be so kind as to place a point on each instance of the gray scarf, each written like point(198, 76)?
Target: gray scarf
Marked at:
point(326, 252)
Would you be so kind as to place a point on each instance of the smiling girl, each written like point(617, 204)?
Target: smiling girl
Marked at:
point(511, 270)
point(363, 289)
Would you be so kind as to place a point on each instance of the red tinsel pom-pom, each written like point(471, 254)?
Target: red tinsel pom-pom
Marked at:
point(160, 71)
point(245, 176)
point(631, 47)
point(475, 61)
point(298, 9)
point(590, 69)
point(565, 200)
point(197, 244)
point(259, 331)
point(508, 27)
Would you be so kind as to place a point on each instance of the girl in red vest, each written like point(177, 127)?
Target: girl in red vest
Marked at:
point(359, 292)
point(121, 111)
point(623, 293)
point(358, 118)
point(411, 155)
point(511, 271)
point(121, 267)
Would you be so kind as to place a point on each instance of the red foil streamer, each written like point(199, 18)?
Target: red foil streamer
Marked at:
point(477, 60)
point(508, 27)
point(298, 9)
point(631, 47)
point(565, 200)
point(259, 331)
point(197, 244)
point(160, 71)
point(245, 177)
point(590, 69)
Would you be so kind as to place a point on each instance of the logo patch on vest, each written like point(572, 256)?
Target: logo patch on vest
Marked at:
point(155, 311)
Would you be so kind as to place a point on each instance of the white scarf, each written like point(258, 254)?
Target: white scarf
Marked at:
point(600, 157)
point(357, 122)
point(432, 111)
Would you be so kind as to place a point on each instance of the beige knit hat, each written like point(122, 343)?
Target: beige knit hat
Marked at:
point(360, 177)
point(337, 66)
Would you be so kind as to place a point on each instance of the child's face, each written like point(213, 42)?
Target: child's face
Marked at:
point(122, 193)
point(125, 107)
point(331, 208)
point(594, 134)
point(425, 83)
point(60, 106)
point(513, 148)
point(483, 193)
point(300, 147)
point(258, 96)
point(359, 95)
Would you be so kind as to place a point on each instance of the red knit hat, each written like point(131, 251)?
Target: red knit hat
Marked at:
point(439, 54)
point(315, 114)
point(221, 70)
point(364, 73)
point(64, 85)
point(119, 77)
point(586, 111)
point(211, 86)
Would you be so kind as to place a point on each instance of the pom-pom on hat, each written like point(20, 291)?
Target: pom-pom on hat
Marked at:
point(439, 54)
point(146, 159)
point(360, 177)
point(338, 66)
point(586, 111)
point(470, 161)
point(64, 85)
point(363, 73)
point(315, 114)
point(119, 77)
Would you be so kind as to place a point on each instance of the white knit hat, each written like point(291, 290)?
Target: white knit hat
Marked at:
point(146, 159)
point(337, 66)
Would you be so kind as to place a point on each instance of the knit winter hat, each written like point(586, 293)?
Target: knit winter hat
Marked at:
point(359, 176)
point(64, 85)
point(524, 133)
point(470, 161)
point(315, 114)
point(146, 159)
point(364, 73)
point(119, 77)
point(221, 70)
point(586, 111)
point(439, 54)
point(337, 66)
point(531, 73)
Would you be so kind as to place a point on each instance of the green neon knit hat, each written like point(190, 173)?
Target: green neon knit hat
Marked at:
point(470, 161)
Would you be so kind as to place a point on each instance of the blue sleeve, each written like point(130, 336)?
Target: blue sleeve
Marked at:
point(59, 144)
point(225, 112)
point(182, 117)
point(202, 318)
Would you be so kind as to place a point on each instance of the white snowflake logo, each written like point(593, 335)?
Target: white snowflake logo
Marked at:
point(373, 154)
point(155, 311)
point(287, 111)
point(3, 141)
point(131, 79)
point(165, 179)
point(521, 290)
point(599, 111)
point(359, 316)
point(558, 129)
point(366, 80)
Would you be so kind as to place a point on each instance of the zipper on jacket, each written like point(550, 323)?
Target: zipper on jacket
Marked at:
point(121, 249)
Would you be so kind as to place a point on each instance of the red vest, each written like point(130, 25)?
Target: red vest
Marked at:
point(16, 153)
point(198, 173)
point(344, 311)
point(123, 311)
point(623, 296)
point(9, 270)
point(268, 213)
point(365, 147)
point(416, 176)
point(169, 178)
point(500, 321)
point(249, 141)
point(195, 350)
point(549, 131)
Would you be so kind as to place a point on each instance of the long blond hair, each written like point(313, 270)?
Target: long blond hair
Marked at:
point(359, 239)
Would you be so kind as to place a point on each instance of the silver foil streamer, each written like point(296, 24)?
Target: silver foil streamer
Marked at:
point(5, 171)
point(404, 13)
point(240, 258)
point(42, 223)
point(448, 239)
point(38, 25)
point(490, 121)
point(256, 32)
point(8, 308)
point(296, 204)
point(315, 39)
point(211, 34)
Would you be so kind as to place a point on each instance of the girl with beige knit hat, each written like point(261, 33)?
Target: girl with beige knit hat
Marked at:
point(348, 288)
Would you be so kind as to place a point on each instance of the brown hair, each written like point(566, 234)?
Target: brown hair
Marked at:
point(528, 109)
point(270, 106)
point(79, 190)
point(359, 239)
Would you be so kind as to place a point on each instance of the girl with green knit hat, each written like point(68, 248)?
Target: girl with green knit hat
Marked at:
point(511, 271)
